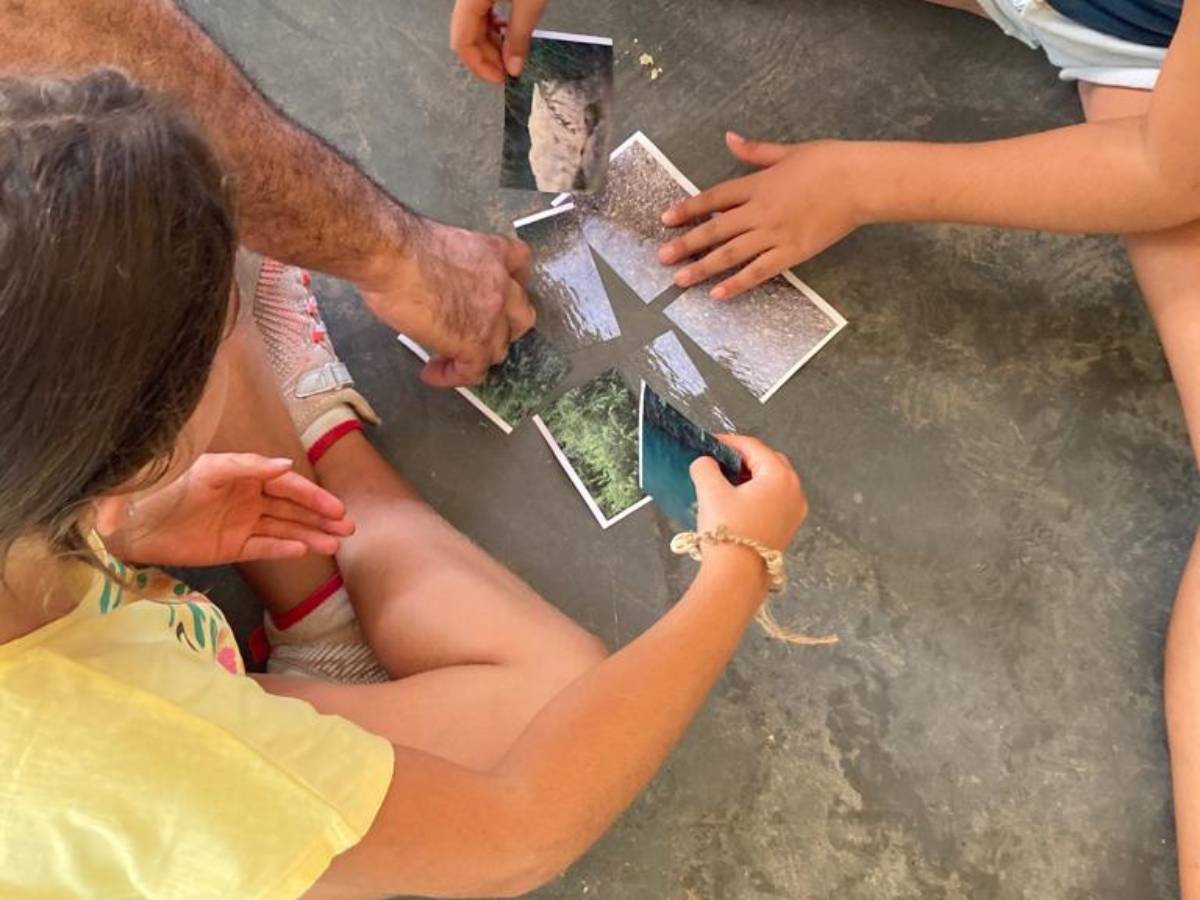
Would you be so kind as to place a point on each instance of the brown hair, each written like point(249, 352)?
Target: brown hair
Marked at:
point(117, 247)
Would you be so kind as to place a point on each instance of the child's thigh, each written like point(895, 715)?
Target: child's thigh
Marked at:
point(441, 600)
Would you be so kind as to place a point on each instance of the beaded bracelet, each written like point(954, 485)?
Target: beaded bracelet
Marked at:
point(688, 543)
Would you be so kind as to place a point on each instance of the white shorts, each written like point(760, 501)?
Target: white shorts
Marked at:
point(1081, 53)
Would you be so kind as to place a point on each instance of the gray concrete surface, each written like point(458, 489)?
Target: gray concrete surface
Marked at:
point(1002, 491)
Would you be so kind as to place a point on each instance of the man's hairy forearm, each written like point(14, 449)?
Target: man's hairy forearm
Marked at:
point(297, 199)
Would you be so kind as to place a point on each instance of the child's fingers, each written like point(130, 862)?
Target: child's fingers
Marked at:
point(716, 199)
point(728, 255)
point(757, 153)
point(314, 539)
point(759, 457)
point(483, 61)
point(524, 18)
point(706, 476)
point(469, 39)
point(271, 548)
point(221, 469)
point(294, 512)
point(766, 266)
point(714, 231)
point(295, 487)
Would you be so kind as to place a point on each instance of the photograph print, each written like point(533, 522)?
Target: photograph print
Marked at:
point(762, 337)
point(669, 443)
point(593, 432)
point(572, 306)
point(557, 115)
point(623, 221)
point(516, 387)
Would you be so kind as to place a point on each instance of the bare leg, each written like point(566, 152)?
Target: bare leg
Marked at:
point(481, 652)
point(1168, 269)
point(255, 421)
point(478, 653)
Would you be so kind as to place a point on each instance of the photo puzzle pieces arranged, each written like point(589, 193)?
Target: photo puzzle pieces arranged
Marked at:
point(618, 447)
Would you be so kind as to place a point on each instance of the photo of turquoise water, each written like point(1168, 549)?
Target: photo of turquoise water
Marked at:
point(670, 443)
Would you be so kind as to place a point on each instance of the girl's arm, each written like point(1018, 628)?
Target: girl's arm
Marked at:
point(447, 831)
point(1120, 176)
point(297, 198)
point(1182, 689)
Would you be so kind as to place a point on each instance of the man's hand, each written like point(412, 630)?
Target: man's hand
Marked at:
point(459, 293)
point(790, 211)
point(488, 46)
point(232, 507)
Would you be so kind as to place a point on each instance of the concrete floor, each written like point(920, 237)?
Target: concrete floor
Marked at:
point(1002, 491)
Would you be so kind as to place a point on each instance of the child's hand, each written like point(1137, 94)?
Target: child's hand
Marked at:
point(489, 47)
point(231, 507)
point(797, 206)
point(768, 508)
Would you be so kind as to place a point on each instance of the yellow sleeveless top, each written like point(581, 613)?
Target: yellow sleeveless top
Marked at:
point(138, 760)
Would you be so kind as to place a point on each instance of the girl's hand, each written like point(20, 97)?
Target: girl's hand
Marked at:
point(797, 206)
point(486, 45)
point(768, 508)
point(231, 507)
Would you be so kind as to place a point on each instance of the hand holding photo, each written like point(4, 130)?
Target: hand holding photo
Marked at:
point(668, 445)
point(572, 306)
point(592, 431)
point(557, 115)
point(763, 336)
point(516, 387)
point(623, 222)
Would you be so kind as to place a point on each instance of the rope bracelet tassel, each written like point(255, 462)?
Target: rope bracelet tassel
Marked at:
point(688, 543)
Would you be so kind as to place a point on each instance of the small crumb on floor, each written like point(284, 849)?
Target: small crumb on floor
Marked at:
point(646, 59)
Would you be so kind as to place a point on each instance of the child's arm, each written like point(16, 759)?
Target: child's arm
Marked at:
point(1182, 690)
point(297, 199)
point(448, 831)
point(1121, 176)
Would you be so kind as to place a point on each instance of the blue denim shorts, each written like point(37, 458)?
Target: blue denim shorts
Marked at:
point(1079, 52)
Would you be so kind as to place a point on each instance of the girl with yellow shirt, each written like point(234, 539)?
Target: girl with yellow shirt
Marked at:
point(430, 725)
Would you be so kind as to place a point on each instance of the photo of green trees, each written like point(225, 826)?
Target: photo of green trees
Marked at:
point(595, 425)
point(520, 385)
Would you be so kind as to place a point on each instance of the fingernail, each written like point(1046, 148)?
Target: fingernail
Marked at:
point(683, 277)
point(282, 460)
point(735, 137)
point(718, 293)
point(668, 218)
point(514, 65)
point(664, 254)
